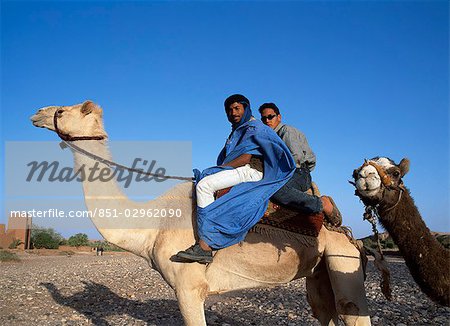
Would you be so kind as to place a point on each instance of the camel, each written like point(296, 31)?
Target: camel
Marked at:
point(331, 264)
point(379, 185)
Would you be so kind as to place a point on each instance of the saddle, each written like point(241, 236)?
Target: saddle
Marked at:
point(285, 218)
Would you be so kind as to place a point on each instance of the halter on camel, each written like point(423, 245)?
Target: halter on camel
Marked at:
point(372, 215)
point(371, 212)
point(387, 183)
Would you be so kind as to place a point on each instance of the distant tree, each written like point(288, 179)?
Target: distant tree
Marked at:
point(390, 244)
point(78, 240)
point(15, 243)
point(386, 243)
point(8, 256)
point(46, 238)
point(107, 246)
point(444, 240)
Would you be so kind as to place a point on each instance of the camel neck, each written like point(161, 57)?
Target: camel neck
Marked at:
point(110, 208)
point(424, 256)
point(404, 220)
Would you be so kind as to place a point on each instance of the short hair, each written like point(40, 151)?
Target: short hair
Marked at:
point(236, 98)
point(269, 106)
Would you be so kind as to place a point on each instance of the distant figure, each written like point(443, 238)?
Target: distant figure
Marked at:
point(99, 251)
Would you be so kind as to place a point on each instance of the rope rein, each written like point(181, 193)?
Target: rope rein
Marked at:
point(371, 215)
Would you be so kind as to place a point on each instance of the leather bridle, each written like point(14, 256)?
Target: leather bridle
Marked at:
point(387, 182)
point(67, 137)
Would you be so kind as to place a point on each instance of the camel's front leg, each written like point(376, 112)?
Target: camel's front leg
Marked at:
point(321, 297)
point(347, 280)
point(191, 300)
point(187, 279)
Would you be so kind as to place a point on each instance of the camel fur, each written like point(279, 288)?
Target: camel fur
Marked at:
point(427, 260)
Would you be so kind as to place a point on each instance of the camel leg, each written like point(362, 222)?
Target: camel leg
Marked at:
point(191, 300)
point(347, 280)
point(321, 297)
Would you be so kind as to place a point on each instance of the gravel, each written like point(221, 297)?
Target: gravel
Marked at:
point(121, 289)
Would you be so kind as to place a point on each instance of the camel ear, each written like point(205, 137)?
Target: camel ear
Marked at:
point(404, 166)
point(87, 107)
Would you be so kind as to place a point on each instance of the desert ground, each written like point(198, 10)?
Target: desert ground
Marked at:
point(120, 289)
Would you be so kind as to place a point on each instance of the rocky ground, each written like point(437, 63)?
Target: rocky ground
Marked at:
point(121, 290)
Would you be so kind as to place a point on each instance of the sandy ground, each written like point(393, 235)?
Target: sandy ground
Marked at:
point(121, 289)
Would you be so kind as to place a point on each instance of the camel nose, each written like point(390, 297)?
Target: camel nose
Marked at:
point(361, 184)
point(368, 171)
point(34, 118)
point(37, 119)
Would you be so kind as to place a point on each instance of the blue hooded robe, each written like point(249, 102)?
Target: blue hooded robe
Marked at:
point(227, 220)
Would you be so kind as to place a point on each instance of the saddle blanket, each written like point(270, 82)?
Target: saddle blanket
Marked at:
point(287, 219)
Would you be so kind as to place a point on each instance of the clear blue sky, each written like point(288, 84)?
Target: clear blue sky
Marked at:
point(359, 78)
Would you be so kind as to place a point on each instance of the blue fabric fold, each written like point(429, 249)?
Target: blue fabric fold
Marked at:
point(227, 220)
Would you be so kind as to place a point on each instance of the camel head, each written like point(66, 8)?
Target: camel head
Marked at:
point(80, 120)
point(379, 180)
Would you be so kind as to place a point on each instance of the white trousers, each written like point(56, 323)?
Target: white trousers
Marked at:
point(227, 178)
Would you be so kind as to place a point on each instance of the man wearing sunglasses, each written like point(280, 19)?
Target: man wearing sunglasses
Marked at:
point(255, 162)
point(293, 193)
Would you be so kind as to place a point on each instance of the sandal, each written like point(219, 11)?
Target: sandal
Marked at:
point(196, 254)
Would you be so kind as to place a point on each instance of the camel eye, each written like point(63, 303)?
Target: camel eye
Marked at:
point(396, 174)
point(60, 111)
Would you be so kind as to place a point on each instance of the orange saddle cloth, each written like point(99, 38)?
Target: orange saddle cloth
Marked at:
point(287, 219)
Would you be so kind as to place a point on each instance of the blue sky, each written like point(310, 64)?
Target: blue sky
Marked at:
point(360, 79)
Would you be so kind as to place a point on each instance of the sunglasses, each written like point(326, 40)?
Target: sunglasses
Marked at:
point(269, 117)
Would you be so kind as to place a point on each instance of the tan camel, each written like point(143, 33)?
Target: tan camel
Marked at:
point(331, 264)
point(379, 184)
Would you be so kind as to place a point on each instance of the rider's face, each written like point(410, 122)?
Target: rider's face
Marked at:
point(270, 118)
point(235, 112)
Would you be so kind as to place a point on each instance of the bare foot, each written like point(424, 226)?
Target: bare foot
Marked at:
point(204, 245)
point(327, 205)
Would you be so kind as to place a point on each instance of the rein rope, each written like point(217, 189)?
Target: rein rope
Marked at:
point(372, 215)
point(67, 138)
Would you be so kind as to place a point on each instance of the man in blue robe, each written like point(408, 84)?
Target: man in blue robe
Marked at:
point(255, 162)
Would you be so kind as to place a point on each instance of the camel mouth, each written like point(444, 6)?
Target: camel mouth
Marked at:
point(367, 182)
point(38, 120)
point(35, 120)
point(43, 118)
point(371, 193)
point(368, 187)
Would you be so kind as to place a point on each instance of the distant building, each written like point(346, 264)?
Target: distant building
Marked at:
point(19, 228)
